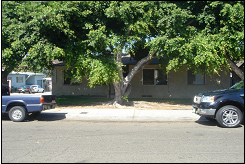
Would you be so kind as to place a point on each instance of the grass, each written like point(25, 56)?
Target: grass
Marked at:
point(80, 100)
point(89, 100)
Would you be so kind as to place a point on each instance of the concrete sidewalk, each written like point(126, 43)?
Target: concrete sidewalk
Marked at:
point(127, 114)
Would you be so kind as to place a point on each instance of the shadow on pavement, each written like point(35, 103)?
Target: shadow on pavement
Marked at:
point(211, 122)
point(207, 122)
point(48, 117)
point(41, 117)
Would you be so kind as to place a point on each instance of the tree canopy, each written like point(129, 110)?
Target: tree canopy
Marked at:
point(219, 40)
point(91, 36)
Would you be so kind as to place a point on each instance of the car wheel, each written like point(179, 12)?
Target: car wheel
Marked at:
point(229, 116)
point(17, 114)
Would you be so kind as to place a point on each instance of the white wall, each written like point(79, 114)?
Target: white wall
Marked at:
point(32, 80)
point(14, 82)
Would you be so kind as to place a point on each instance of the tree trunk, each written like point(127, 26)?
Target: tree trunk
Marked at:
point(5, 77)
point(123, 87)
point(235, 68)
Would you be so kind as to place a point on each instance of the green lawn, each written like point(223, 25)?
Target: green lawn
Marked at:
point(87, 100)
point(80, 100)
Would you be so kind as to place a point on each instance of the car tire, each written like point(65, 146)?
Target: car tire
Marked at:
point(17, 113)
point(229, 116)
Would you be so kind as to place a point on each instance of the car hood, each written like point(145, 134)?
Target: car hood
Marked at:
point(218, 92)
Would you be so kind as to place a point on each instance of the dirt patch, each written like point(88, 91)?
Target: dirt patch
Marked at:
point(142, 105)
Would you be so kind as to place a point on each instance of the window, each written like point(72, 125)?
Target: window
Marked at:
point(154, 77)
point(67, 78)
point(19, 79)
point(195, 79)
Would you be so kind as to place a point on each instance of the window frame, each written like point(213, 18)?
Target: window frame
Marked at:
point(65, 80)
point(19, 78)
point(190, 72)
point(154, 77)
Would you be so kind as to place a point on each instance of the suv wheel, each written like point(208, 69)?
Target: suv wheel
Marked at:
point(229, 116)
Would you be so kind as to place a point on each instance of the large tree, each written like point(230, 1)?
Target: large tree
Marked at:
point(23, 45)
point(218, 43)
point(89, 37)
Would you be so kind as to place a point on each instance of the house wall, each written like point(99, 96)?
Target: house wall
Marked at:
point(177, 86)
point(14, 82)
point(33, 80)
point(59, 88)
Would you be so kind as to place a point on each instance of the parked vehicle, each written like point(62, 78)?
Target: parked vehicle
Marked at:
point(5, 89)
point(36, 89)
point(24, 89)
point(226, 106)
point(19, 107)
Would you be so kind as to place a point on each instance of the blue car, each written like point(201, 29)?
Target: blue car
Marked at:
point(24, 88)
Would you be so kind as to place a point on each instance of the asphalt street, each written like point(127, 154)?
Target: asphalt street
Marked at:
point(44, 140)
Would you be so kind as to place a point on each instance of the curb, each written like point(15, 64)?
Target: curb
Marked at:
point(127, 114)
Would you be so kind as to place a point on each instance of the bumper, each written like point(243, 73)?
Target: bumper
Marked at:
point(23, 91)
point(46, 107)
point(39, 107)
point(204, 112)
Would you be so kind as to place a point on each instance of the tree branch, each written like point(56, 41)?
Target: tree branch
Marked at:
point(234, 67)
point(140, 65)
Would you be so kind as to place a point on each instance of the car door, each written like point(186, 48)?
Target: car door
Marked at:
point(39, 89)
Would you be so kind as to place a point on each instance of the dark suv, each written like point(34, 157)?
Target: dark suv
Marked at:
point(226, 106)
point(5, 90)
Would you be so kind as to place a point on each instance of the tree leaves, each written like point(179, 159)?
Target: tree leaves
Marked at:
point(89, 35)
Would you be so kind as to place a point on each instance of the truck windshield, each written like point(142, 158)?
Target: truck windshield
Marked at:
point(239, 85)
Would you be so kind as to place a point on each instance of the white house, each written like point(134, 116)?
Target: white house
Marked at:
point(17, 79)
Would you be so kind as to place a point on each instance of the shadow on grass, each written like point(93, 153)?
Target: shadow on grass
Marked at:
point(64, 101)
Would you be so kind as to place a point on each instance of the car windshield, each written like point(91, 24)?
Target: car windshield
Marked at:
point(239, 85)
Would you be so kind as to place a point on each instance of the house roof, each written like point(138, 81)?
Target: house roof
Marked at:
point(240, 63)
point(26, 73)
point(58, 63)
point(126, 60)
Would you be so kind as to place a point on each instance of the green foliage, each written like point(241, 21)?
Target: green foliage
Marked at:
point(219, 31)
point(125, 98)
point(88, 35)
point(23, 45)
point(97, 70)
